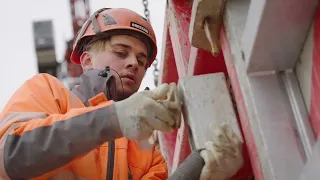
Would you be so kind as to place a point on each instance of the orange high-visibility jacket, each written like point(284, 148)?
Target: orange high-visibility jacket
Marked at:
point(47, 132)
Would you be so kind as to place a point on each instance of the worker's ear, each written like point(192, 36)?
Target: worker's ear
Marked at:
point(86, 60)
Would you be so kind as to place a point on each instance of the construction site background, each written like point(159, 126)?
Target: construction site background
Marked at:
point(35, 33)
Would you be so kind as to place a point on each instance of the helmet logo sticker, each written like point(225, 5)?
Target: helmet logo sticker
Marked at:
point(140, 27)
point(108, 20)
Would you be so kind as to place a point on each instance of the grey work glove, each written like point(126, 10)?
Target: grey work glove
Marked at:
point(223, 155)
point(142, 113)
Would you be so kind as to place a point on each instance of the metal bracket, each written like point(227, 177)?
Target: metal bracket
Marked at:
point(206, 21)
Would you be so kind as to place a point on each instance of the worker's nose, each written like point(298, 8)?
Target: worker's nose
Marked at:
point(132, 62)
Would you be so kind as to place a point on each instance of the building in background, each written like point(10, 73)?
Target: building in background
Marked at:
point(20, 51)
point(45, 47)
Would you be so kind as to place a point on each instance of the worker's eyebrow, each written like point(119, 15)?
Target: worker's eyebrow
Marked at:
point(123, 45)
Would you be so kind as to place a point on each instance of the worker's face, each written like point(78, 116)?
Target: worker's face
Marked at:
point(127, 56)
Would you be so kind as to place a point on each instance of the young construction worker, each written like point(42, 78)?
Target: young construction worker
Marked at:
point(97, 131)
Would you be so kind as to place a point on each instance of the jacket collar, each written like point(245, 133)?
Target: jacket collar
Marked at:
point(93, 83)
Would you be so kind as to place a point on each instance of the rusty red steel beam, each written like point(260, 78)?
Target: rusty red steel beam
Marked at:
point(202, 62)
point(179, 19)
point(168, 73)
point(179, 59)
point(315, 90)
point(175, 59)
point(182, 146)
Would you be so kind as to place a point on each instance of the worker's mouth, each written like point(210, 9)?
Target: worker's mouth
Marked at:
point(129, 77)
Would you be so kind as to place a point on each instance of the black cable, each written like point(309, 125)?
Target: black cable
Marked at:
point(119, 78)
point(105, 72)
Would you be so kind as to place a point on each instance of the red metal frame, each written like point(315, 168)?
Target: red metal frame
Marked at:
point(241, 108)
point(315, 89)
point(179, 59)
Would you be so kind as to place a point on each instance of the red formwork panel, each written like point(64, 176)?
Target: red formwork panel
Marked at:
point(168, 73)
point(315, 81)
point(175, 59)
point(250, 148)
point(179, 59)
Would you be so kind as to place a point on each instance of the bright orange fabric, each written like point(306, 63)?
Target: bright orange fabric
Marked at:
point(45, 93)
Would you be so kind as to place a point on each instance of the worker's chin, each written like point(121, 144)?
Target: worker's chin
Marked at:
point(126, 92)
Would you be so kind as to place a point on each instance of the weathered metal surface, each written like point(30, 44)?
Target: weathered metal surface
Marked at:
point(206, 102)
point(312, 169)
point(302, 126)
point(241, 108)
point(266, 115)
point(168, 73)
point(303, 69)
point(179, 20)
point(275, 32)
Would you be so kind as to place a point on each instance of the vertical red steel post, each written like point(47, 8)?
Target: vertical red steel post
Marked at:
point(179, 59)
point(315, 81)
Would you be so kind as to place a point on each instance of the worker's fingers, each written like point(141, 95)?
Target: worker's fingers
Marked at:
point(206, 170)
point(158, 124)
point(234, 140)
point(227, 129)
point(207, 154)
point(172, 91)
point(177, 116)
point(142, 132)
point(214, 153)
point(220, 154)
point(157, 116)
point(152, 139)
point(174, 109)
point(158, 93)
point(219, 136)
point(155, 135)
point(164, 115)
point(222, 143)
point(172, 105)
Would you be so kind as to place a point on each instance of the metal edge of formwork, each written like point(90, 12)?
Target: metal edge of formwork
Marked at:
point(268, 102)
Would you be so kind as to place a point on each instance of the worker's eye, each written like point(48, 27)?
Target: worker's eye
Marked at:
point(121, 54)
point(141, 62)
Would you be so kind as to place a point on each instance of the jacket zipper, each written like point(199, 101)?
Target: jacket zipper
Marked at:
point(110, 165)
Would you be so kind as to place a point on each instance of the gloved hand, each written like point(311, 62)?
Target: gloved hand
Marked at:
point(141, 114)
point(173, 104)
point(222, 156)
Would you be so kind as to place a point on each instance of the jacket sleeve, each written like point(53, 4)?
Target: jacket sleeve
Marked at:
point(190, 168)
point(38, 135)
point(158, 170)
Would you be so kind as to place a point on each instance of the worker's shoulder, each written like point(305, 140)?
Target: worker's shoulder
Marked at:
point(39, 91)
point(44, 79)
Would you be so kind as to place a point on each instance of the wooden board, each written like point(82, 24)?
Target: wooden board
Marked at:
point(201, 10)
